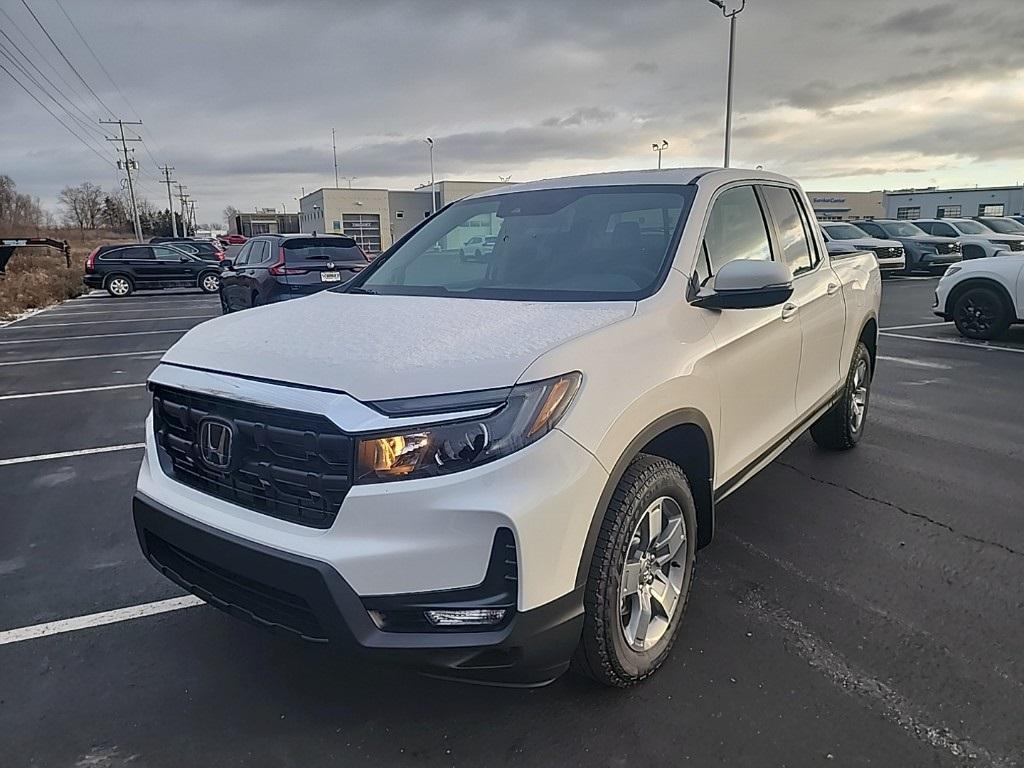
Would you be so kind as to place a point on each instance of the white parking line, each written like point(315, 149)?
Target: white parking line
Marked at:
point(75, 313)
point(97, 322)
point(84, 357)
point(972, 345)
point(70, 454)
point(98, 619)
point(95, 336)
point(918, 325)
point(914, 363)
point(27, 395)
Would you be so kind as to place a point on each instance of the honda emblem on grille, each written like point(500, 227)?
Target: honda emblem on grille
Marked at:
point(330, 265)
point(215, 443)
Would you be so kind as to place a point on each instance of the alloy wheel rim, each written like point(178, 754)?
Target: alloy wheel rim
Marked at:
point(651, 581)
point(859, 395)
point(211, 283)
point(119, 286)
point(977, 315)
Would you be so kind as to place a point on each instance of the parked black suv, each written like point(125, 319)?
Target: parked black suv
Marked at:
point(122, 269)
point(923, 252)
point(273, 268)
point(207, 250)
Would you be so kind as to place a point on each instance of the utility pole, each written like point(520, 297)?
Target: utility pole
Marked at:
point(170, 202)
point(334, 146)
point(128, 164)
point(181, 201)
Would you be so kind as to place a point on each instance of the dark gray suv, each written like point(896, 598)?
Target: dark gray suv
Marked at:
point(273, 268)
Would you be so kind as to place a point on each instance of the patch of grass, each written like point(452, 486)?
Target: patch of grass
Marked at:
point(39, 277)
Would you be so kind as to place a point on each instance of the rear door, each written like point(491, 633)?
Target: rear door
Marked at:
point(312, 264)
point(141, 263)
point(817, 299)
point(230, 279)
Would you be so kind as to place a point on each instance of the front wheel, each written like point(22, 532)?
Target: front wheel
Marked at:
point(842, 426)
point(640, 574)
point(980, 313)
point(209, 283)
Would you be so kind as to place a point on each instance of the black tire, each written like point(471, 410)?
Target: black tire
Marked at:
point(119, 286)
point(981, 313)
point(255, 300)
point(209, 282)
point(604, 653)
point(839, 428)
point(973, 252)
point(224, 308)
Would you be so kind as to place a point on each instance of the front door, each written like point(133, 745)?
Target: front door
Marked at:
point(174, 266)
point(757, 354)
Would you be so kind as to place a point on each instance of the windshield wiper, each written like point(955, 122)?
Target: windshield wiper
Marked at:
point(359, 289)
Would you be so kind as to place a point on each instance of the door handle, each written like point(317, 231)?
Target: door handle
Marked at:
point(788, 310)
point(832, 289)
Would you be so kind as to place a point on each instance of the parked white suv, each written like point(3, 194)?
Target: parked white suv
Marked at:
point(489, 469)
point(841, 236)
point(977, 240)
point(983, 297)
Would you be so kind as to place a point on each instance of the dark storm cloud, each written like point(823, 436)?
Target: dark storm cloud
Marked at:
point(240, 96)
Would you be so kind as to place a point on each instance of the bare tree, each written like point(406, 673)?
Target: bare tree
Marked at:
point(229, 217)
point(82, 205)
point(19, 212)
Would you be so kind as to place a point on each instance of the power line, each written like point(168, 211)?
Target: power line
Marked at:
point(43, 56)
point(110, 77)
point(66, 59)
point(54, 116)
point(82, 124)
point(42, 74)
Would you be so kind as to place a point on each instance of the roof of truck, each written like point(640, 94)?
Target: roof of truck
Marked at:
point(681, 176)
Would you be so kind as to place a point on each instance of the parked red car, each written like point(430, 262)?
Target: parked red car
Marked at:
point(233, 239)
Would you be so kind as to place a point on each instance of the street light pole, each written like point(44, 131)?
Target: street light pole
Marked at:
point(433, 195)
point(731, 16)
point(334, 146)
point(659, 148)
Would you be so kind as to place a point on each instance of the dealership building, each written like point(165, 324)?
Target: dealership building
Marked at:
point(376, 218)
point(933, 203)
point(847, 206)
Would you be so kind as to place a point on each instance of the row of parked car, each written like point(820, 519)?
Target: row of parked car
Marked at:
point(928, 245)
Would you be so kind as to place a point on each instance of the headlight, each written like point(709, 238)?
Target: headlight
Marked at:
point(952, 270)
point(531, 411)
point(957, 246)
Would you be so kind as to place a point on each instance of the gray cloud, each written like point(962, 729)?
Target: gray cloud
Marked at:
point(918, 21)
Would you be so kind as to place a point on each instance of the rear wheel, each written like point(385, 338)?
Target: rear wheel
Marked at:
point(119, 286)
point(255, 300)
point(841, 426)
point(981, 313)
point(209, 282)
point(640, 575)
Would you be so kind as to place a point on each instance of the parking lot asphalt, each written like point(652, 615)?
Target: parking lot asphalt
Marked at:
point(864, 608)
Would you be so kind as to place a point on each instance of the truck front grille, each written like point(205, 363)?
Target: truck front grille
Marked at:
point(289, 465)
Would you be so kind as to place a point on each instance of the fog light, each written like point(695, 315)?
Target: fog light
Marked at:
point(465, 618)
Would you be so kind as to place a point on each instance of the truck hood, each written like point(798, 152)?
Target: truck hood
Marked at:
point(380, 347)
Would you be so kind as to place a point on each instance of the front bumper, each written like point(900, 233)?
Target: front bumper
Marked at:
point(939, 259)
point(299, 596)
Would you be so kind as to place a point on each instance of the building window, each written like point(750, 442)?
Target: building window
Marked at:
point(337, 226)
point(909, 213)
point(948, 211)
point(991, 209)
point(399, 214)
point(364, 228)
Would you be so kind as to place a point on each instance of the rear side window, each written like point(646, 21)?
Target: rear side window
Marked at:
point(872, 229)
point(133, 252)
point(322, 249)
point(793, 239)
point(736, 230)
point(243, 255)
point(943, 230)
point(258, 253)
point(168, 254)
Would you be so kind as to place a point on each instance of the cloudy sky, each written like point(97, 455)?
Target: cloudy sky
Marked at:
point(241, 95)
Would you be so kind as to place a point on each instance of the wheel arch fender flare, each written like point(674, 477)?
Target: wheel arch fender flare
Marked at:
point(979, 282)
point(680, 422)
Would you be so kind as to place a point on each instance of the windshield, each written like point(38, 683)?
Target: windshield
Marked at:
point(577, 244)
point(845, 232)
point(1005, 226)
point(972, 228)
point(902, 229)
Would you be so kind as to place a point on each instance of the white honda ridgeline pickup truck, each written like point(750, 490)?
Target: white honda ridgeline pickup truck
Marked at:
point(494, 468)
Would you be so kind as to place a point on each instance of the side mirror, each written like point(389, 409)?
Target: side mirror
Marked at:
point(748, 284)
point(226, 264)
point(184, 259)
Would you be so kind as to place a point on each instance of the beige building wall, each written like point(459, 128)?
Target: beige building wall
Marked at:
point(846, 206)
point(335, 211)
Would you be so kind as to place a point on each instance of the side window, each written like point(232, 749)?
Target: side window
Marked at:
point(872, 229)
point(243, 255)
point(943, 230)
point(167, 254)
point(927, 226)
point(135, 253)
point(796, 249)
point(259, 252)
point(736, 229)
